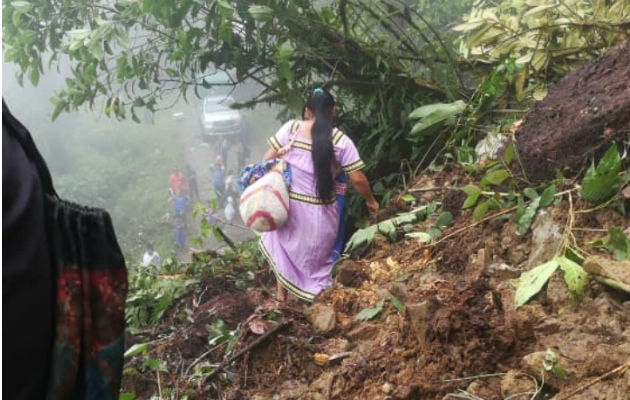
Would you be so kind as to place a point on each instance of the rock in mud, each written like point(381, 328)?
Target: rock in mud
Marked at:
point(558, 295)
point(365, 331)
point(351, 273)
point(516, 382)
point(546, 239)
point(322, 318)
point(292, 390)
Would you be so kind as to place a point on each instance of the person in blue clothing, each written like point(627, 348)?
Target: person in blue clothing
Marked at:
point(179, 202)
point(340, 195)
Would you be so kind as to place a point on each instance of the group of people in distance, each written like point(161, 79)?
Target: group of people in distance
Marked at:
point(184, 192)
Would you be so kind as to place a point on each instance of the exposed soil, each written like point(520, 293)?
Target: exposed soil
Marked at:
point(448, 327)
point(458, 321)
point(583, 112)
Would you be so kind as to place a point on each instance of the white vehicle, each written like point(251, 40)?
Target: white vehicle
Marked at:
point(218, 119)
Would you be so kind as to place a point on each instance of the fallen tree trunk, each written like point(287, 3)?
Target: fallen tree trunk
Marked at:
point(583, 112)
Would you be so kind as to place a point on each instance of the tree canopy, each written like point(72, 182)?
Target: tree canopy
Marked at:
point(381, 59)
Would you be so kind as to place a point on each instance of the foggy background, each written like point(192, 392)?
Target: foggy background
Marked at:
point(123, 166)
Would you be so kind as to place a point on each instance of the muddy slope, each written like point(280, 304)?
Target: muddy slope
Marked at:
point(584, 111)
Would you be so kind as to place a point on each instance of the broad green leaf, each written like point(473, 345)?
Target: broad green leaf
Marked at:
point(480, 211)
point(574, 275)
point(508, 154)
point(473, 193)
point(433, 114)
point(618, 242)
point(469, 26)
point(421, 236)
point(127, 396)
point(444, 219)
point(547, 196)
point(388, 229)
point(205, 228)
point(601, 183)
point(369, 313)
point(396, 302)
point(22, 6)
point(496, 177)
point(532, 194)
point(136, 349)
point(525, 220)
point(434, 232)
point(360, 238)
point(260, 13)
point(406, 218)
point(408, 198)
point(155, 365)
point(530, 282)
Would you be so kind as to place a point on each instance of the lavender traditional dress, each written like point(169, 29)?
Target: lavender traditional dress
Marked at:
point(299, 252)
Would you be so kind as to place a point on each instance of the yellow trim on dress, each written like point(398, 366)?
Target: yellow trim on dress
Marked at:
point(274, 143)
point(310, 199)
point(337, 135)
point(355, 166)
point(301, 294)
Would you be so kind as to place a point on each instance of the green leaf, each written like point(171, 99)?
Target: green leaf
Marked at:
point(473, 193)
point(432, 114)
point(421, 236)
point(361, 238)
point(396, 302)
point(601, 183)
point(388, 229)
point(618, 242)
point(408, 198)
point(434, 232)
point(530, 193)
point(480, 211)
point(508, 154)
point(530, 282)
point(525, 220)
point(406, 218)
point(136, 349)
point(127, 396)
point(21, 6)
point(205, 228)
point(574, 275)
point(444, 219)
point(496, 177)
point(155, 365)
point(369, 313)
point(260, 13)
point(547, 196)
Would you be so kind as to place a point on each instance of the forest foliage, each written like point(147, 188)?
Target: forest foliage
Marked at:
point(385, 61)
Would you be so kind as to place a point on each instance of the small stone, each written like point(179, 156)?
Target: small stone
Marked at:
point(322, 318)
point(387, 388)
point(365, 331)
point(292, 390)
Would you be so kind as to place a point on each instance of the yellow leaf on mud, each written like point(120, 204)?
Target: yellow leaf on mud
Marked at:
point(392, 264)
point(539, 93)
point(321, 359)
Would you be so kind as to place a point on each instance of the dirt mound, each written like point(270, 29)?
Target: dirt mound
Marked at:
point(584, 111)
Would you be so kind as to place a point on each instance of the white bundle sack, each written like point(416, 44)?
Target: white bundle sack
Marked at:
point(264, 205)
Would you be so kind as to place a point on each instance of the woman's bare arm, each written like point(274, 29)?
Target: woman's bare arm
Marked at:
point(361, 184)
point(270, 154)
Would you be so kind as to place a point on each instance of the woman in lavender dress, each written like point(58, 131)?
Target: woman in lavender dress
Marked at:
point(300, 251)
